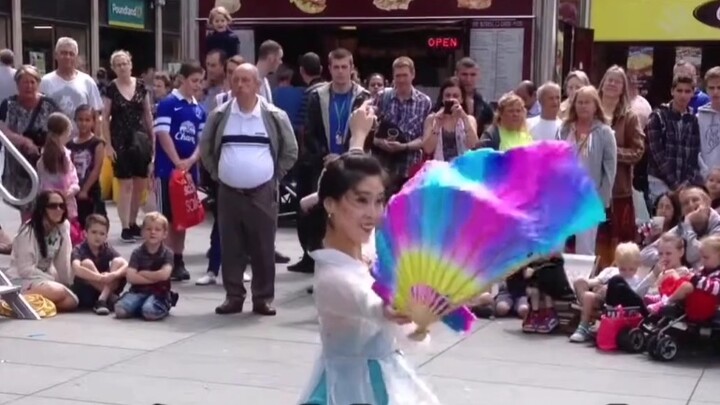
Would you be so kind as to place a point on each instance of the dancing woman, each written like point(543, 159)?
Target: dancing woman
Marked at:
point(359, 362)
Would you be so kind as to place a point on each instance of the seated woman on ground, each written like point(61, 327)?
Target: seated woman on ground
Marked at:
point(667, 216)
point(620, 285)
point(40, 260)
point(698, 220)
point(547, 282)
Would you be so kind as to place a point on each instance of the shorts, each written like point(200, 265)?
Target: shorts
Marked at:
point(88, 295)
point(512, 302)
point(129, 164)
point(162, 197)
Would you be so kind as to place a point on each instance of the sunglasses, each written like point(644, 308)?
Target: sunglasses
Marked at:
point(56, 206)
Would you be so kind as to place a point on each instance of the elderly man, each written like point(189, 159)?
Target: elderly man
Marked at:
point(544, 127)
point(528, 92)
point(248, 145)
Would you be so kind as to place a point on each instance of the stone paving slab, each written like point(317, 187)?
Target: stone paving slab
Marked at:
point(196, 357)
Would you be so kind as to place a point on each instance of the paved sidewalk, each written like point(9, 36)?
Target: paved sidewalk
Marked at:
point(196, 357)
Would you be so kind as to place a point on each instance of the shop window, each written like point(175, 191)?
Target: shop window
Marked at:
point(171, 16)
point(37, 38)
point(65, 10)
point(6, 6)
point(4, 32)
point(171, 49)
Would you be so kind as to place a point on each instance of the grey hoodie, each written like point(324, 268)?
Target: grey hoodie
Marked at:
point(709, 121)
point(684, 230)
point(601, 160)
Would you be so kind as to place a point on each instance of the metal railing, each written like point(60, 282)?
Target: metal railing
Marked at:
point(13, 152)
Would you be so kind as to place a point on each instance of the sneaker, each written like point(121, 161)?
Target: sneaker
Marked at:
point(179, 273)
point(127, 235)
point(549, 321)
point(247, 276)
point(530, 323)
point(208, 279)
point(581, 335)
point(101, 308)
point(136, 231)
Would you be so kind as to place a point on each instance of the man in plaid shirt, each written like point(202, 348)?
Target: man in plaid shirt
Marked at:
point(403, 108)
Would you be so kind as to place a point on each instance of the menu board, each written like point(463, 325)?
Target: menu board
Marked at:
point(498, 49)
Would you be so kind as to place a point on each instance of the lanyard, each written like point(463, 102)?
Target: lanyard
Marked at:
point(339, 112)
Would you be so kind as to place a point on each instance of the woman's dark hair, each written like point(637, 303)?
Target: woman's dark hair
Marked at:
point(53, 154)
point(451, 82)
point(83, 108)
point(37, 218)
point(340, 176)
point(675, 202)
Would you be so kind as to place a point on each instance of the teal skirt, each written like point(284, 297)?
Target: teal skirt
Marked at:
point(320, 394)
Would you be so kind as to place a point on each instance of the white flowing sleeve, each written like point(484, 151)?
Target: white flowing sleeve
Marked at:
point(337, 295)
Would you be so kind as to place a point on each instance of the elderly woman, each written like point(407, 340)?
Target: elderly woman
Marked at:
point(23, 119)
point(509, 130)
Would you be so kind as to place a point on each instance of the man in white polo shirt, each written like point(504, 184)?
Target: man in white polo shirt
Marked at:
point(248, 145)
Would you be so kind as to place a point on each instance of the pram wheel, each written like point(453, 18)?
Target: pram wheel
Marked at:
point(651, 346)
point(633, 341)
point(667, 349)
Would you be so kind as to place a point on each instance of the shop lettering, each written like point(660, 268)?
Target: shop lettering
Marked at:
point(709, 13)
point(136, 12)
point(443, 42)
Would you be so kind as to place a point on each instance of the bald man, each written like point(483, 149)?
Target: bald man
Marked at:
point(248, 145)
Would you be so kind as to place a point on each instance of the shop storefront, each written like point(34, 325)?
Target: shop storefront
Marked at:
point(497, 34)
point(654, 35)
point(128, 25)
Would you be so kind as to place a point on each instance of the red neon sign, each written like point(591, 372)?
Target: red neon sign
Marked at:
point(449, 43)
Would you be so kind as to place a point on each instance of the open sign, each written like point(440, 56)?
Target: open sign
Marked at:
point(449, 43)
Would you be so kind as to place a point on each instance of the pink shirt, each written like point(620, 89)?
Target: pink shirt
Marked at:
point(66, 183)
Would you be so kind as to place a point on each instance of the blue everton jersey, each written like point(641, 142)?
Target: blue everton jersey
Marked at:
point(184, 121)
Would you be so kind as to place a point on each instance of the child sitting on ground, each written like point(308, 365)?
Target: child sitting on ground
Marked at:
point(671, 251)
point(511, 299)
point(99, 269)
point(623, 280)
point(547, 282)
point(148, 273)
point(699, 291)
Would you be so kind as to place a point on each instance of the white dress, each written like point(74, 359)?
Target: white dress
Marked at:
point(360, 362)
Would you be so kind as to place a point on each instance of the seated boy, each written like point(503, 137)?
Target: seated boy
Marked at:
point(99, 269)
point(547, 282)
point(149, 273)
point(510, 299)
point(627, 287)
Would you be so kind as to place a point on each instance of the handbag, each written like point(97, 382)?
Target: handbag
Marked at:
point(185, 206)
point(612, 323)
point(143, 147)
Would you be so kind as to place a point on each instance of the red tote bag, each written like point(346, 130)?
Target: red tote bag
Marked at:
point(187, 211)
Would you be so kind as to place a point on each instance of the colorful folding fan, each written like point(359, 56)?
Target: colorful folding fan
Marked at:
point(456, 228)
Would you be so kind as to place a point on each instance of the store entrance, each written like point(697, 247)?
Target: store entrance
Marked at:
point(138, 43)
point(434, 48)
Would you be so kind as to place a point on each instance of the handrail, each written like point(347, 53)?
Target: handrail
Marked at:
point(34, 180)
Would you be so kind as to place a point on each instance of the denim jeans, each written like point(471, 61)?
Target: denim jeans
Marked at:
point(215, 254)
point(142, 305)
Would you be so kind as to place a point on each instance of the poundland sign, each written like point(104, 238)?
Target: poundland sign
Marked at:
point(126, 13)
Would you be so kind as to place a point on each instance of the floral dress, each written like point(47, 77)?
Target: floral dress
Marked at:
point(17, 118)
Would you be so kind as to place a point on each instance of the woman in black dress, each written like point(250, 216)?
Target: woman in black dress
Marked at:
point(127, 117)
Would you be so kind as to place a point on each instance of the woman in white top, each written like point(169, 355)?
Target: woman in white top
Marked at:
point(359, 361)
point(450, 131)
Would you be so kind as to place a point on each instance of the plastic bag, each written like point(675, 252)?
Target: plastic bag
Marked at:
point(611, 324)
point(187, 211)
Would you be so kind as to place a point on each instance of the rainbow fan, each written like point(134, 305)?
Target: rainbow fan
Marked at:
point(455, 228)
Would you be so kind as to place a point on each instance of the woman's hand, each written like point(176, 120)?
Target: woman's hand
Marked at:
point(393, 316)
point(110, 152)
point(458, 112)
point(28, 147)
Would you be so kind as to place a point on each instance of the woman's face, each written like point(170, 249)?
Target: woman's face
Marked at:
point(452, 93)
point(160, 89)
point(572, 86)
point(613, 85)
point(376, 83)
point(670, 255)
point(122, 66)
point(27, 85)
point(513, 116)
point(359, 210)
point(585, 106)
point(665, 209)
point(713, 184)
point(55, 209)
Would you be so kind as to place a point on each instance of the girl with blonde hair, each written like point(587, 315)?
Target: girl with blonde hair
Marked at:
point(630, 140)
point(509, 129)
point(586, 129)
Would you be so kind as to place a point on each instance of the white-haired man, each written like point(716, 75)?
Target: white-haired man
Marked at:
point(69, 87)
point(544, 127)
point(247, 146)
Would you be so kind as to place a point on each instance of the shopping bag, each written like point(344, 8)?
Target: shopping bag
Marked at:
point(187, 211)
point(611, 324)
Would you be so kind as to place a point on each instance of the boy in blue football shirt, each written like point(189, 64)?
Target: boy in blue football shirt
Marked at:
point(179, 123)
